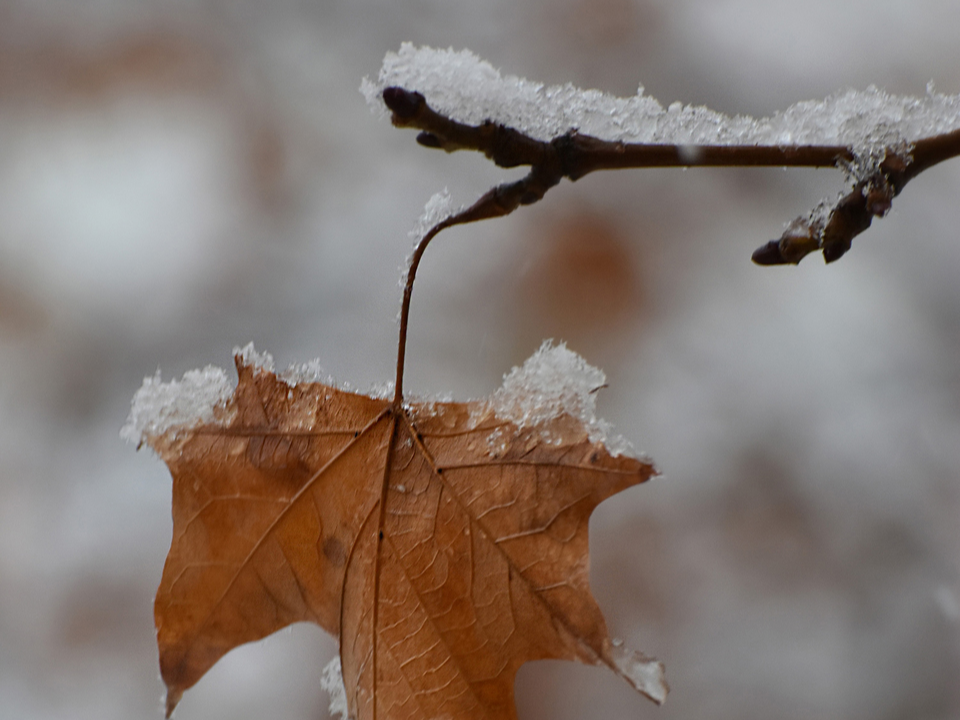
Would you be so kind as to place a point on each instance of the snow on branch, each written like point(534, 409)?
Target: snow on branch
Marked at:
point(469, 90)
point(881, 140)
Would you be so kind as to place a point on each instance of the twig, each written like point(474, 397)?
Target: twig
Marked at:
point(573, 155)
point(501, 200)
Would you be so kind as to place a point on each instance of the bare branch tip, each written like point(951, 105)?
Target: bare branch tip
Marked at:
point(404, 104)
point(428, 139)
point(769, 254)
point(835, 251)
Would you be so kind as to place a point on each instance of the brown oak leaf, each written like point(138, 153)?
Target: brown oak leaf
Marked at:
point(443, 543)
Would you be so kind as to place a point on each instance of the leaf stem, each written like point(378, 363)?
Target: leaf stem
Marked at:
point(405, 309)
point(496, 202)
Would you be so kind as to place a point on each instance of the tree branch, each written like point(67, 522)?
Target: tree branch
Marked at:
point(574, 155)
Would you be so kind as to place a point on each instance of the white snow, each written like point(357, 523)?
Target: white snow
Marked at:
point(467, 88)
point(251, 357)
point(645, 674)
point(308, 372)
point(331, 681)
point(296, 373)
point(438, 208)
point(553, 381)
point(159, 407)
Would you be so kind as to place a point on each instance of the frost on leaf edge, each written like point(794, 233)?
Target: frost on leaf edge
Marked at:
point(554, 381)
point(200, 396)
point(161, 407)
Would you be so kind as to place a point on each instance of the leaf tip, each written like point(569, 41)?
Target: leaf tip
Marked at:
point(173, 699)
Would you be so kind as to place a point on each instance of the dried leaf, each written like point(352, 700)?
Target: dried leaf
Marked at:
point(442, 543)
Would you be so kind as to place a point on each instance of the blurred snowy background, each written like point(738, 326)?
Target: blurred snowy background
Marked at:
point(177, 178)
